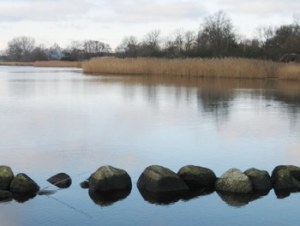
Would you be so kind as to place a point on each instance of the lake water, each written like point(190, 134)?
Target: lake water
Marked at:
point(59, 120)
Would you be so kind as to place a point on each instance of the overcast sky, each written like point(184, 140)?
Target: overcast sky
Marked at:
point(62, 21)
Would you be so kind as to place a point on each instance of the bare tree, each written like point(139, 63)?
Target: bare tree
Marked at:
point(20, 48)
point(151, 44)
point(217, 35)
point(129, 47)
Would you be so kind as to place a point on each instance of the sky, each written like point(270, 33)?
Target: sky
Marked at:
point(109, 21)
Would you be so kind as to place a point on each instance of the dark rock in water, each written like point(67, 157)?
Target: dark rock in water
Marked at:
point(158, 179)
point(85, 184)
point(108, 178)
point(46, 192)
point(108, 198)
point(239, 200)
point(6, 176)
point(197, 177)
point(260, 179)
point(60, 180)
point(23, 184)
point(286, 178)
point(5, 196)
point(234, 181)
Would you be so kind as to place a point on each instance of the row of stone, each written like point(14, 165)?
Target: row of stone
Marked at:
point(158, 180)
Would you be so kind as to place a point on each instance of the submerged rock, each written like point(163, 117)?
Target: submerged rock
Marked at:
point(85, 184)
point(6, 176)
point(23, 184)
point(261, 180)
point(239, 200)
point(60, 180)
point(159, 179)
point(197, 177)
point(108, 178)
point(286, 178)
point(5, 196)
point(234, 181)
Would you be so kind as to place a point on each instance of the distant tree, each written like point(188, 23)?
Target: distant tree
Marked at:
point(129, 47)
point(38, 53)
point(216, 37)
point(150, 46)
point(20, 48)
point(93, 48)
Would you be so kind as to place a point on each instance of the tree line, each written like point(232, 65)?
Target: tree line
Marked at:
point(215, 38)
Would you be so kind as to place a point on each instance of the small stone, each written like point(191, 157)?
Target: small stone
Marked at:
point(60, 180)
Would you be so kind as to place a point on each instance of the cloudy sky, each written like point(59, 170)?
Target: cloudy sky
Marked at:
point(63, 21)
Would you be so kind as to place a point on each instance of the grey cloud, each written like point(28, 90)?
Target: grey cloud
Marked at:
point(132, 11)
point(43, 10)
point(261, 8)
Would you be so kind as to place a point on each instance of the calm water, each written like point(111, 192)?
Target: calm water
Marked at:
point(58, 120)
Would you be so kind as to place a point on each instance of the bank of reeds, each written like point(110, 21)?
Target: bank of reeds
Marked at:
point(52, 63)
point(193, 67)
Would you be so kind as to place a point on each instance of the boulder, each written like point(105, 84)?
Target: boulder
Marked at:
point(159, 179)
point(23, 184)
point(5, 195)
point(197, 177)
point(60, 180)
point(286, 178)
point(260, 179)
point(6, 176)
point(108, 179)
point(234, 181)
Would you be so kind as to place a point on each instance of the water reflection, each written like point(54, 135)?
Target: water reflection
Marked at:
point(108, 198)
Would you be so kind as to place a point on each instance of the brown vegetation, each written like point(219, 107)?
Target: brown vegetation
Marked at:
point(193, 67)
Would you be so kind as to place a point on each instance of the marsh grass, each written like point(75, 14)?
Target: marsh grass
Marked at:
point(193, 67)
point(54, 63)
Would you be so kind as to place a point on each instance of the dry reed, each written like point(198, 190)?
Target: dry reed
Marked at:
point(193, 67)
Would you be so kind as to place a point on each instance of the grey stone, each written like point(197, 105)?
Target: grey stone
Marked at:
point(197, 177)
point(6, 176)
point(260, 179)
point(23, 184)
point(108, 178)
point(159, 179)
point(234, 181)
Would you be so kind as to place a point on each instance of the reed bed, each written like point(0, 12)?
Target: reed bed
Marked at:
point(193, 67)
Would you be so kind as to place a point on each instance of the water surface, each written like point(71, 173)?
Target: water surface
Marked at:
point(59, 120)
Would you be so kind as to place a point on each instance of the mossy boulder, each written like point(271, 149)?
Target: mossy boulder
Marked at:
point(234, 181)
point(5, 195)
point(197, 177)
point(23, 184)
point(286, 178)
point(60, 180)
point(6, 176)
point(108, 179)
point(158, 179)
point(261, 180)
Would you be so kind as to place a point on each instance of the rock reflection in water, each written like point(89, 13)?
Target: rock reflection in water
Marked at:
point(239, 200)
point(108, 198)
point(22, 198)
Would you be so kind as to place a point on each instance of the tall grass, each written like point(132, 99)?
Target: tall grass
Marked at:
point(193, 67)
